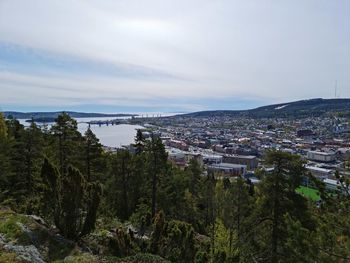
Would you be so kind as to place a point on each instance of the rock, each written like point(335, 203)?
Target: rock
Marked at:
point(38, 219)
point(28, 254)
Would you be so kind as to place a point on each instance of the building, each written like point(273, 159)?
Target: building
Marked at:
point(212, 159)
point(325, 157)
point(305, 133)
point(196, 156)
point(250, 161)
point(320, 172)
point(177, 157)
point(229, 169)
point(178, 144)
point(331, 184)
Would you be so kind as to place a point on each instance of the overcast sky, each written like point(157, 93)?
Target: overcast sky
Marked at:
point(182, 55)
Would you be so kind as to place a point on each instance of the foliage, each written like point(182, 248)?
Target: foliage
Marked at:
point(173, 240)
point(150, 206)
point(74, 215)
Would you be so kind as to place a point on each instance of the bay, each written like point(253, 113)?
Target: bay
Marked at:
point(111, 135)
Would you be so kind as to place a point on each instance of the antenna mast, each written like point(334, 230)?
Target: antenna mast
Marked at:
point(335, 89)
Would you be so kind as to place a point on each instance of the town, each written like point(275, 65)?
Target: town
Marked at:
point(231, 147)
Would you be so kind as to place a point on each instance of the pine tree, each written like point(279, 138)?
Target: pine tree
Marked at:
point(276, 200)
point(237, 206)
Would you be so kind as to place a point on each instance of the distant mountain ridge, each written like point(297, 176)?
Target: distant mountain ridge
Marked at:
point(302, 108)
point(52, 115)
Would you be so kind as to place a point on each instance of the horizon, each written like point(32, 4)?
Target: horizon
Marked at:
point(160, 112)
point(161, 56)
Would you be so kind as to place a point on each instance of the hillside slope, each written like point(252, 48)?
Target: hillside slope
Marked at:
point(28, 239)
point(35, 115)
point(302, 108)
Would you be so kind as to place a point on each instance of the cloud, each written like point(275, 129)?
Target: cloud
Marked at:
point(190, 54)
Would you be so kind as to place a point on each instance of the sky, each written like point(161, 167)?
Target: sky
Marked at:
point(171, 56)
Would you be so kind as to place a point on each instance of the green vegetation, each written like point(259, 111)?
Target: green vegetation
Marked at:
point(11, 227)
point(311, 193)
point(135, 206)
point(8, 257)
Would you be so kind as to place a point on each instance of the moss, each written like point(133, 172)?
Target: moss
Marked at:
point(10, 226)
point(140, 258)
point(82, 258)
point(8, 257)
point(52, 247)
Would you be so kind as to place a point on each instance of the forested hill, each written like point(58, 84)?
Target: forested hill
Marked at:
point(63, 198)
point(302, 108)
point(73, 114)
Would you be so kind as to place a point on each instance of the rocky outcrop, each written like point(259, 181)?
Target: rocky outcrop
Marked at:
point(26, 254)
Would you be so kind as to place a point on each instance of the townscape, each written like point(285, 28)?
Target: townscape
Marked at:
point(235, 147)
point(188, 189)
point(187, 131)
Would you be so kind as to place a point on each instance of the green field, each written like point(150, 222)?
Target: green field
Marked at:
point(309, 193)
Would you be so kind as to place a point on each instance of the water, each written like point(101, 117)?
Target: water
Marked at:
point(111, 135)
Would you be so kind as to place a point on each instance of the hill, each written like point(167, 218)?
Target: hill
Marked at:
point(53, 115)
point(302, 108)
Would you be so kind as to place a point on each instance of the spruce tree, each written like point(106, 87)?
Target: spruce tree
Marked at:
point(68, 143)
point(3, 127)
point(157, 162)
point(93, 156)
point(71, 202)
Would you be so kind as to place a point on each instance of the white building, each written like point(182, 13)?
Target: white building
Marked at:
point(320, 172)
point(228, 169)
point(321, 156)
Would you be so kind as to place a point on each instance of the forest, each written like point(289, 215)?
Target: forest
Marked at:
point(136, 206)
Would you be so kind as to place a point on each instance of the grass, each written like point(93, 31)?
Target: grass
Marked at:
point(82, 258)
point(8, 257)
point(10, 227)
point(309, 193)
point(141, 258)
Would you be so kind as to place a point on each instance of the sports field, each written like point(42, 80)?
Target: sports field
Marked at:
point(309, 193)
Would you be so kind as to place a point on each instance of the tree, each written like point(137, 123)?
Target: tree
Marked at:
point(74, 215)
point(139, 142)
point(173, 239)
point(69, 142)
point(119, 187)
point(276, 200)
point(333, 229)
point(6, 172)
point(236, 208)
point(210, 204)
point(33, 144)
point(15, 177)
point(157, 162)
point(194, 172)
point(93, 160)
point(3, 127)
